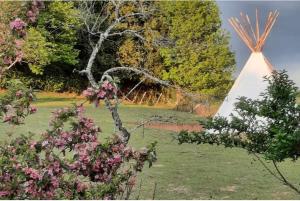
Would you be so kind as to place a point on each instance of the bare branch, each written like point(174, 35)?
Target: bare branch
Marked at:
point(137, 71)
point(132, 32)
point(120, 19)
point(266, 167)
point(284, 180)
point(144, 122)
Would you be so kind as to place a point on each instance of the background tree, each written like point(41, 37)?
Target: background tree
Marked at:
point(13, 29)
point(59, 24)
point(49, 47)
point(144, 54)
point(200, 59)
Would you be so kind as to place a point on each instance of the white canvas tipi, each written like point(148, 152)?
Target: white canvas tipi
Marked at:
point(250, 83)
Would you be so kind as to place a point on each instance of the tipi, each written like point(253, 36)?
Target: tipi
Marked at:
point(250, 83)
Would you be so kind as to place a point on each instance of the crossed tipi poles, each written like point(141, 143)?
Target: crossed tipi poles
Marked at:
point(252, 37)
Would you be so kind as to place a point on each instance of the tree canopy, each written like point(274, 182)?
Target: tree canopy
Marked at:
point(200, 59)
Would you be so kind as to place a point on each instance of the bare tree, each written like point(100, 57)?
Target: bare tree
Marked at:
point(103, 25)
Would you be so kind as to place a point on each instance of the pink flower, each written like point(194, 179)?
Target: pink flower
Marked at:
point(32, 109)
point(101, 94)
point(131, 181)
point(107, 197)
point(45, 143)
point(54, 182)
point(4, 193)
point(56, 167)
point(60, 143)
point(115, 161)
point(7, 60)
point(17, 24)
point(33, 173)
point(31, 16)
point(38, 4)
point(49, 194)
point(32, 145)
point(106, 84)
point(88, 92)
point(19, 94)
point(8, 118)
point(19, 43)
point(19, 55)
point(17, 166)
point(80, 109)
point(80, 187)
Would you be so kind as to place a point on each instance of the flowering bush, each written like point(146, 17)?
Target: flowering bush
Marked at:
point(17, 24)
point(69, 161)
point(16, 104)
point(13, 29)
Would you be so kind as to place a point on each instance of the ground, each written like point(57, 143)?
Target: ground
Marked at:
point(182, 171)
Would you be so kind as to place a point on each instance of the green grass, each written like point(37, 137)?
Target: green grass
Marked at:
point(182, 171)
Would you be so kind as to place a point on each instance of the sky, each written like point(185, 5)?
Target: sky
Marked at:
point(282, 48)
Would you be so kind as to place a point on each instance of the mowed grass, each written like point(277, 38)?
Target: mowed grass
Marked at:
point(182, 171)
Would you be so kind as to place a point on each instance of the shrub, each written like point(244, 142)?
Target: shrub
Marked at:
point(68, 162)
point(15, 104)
point(51, 82)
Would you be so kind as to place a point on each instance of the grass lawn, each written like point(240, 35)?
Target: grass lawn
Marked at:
point(182, 171)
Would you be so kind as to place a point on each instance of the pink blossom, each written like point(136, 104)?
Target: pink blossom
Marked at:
point(49, 194)
point(54, 182)
point(31, 15)
point(68, 194)
point(60, 143)
point(81, 187)
point(45, 143)
point(19, 93)
point(19, 43)
point(4, 193)
point(106, 84)
point(32, 145)
point(80, 109)
point(33, 173)
point(101, 94)
point(8, 118)
point(19, 55)
point(115, 161)
point(131, 181)
point(88, 92)
point(38, 4)
point(6, 177)
point(17, 166)
point(7, 60)
point(17, 24)
point(107, 197)
point(56, 167)
point(32, 109)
